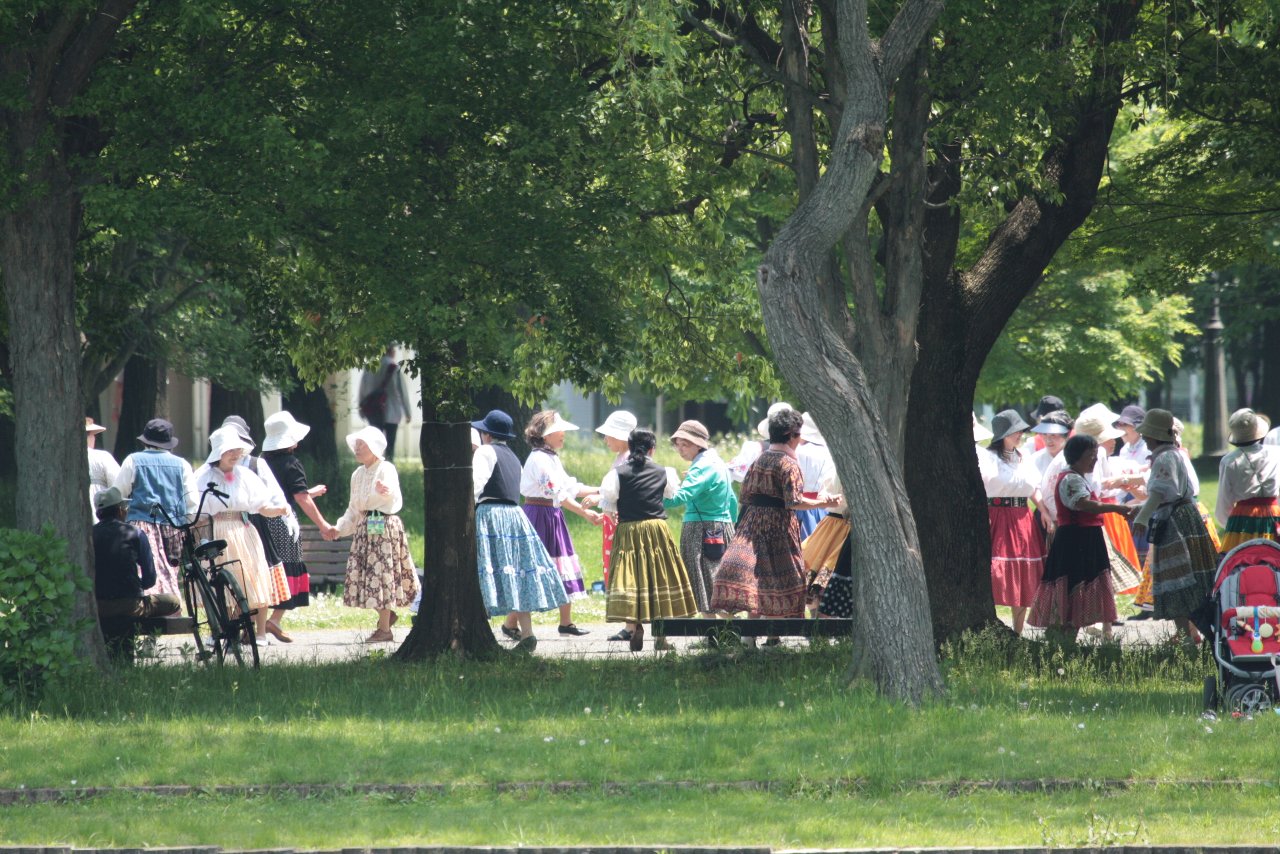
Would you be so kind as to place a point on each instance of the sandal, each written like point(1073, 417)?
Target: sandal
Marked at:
point(275, 631)
point(623, 635)
point(511, 632)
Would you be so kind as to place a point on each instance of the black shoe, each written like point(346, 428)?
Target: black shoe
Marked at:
point(510, 632)
point(1115, 624)
point(1141, 615)
point(623, 635)
point(571, 629)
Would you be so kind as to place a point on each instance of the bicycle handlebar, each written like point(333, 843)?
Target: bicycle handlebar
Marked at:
point(157, 509)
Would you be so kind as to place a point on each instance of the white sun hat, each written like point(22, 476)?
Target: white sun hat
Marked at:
point(980, 432)
point(1100, 411)
point(225, 439)
point(283, 431)
point(559, 425)
point(371, 436)
point(763, 427)
point(618, 425)
point(809, 431)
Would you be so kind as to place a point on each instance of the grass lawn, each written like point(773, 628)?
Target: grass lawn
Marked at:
point(843, 768)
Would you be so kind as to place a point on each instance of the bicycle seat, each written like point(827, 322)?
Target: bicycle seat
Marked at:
point(210, 548)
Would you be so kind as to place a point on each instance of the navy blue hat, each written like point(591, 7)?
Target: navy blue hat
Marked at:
point(497, 424)
point(159, 434)
point(1132, 415)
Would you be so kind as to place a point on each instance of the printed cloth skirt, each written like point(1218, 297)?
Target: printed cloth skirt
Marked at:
point(762, 571)
point(251, 570)
point(1017, 555)
point(821, 550)
point(548, 522)
point(286, 542)
point(837, 597)
point(809, 519)
point(1183, 562)
point(702, 569)
point(1076, 588)
point(648, 580)
point(380, 571)
point(167, 573)
point(1251, 519)
point(516, 573)
point(1144, 598)
point(1126, 572)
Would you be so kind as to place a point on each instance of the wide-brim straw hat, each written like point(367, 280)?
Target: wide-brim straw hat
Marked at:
point(225, 438)
point(1157, 425)
point(1247, 427)
point(1006, 423)
point(809, 431)
point(980, 431)
point(695, 432)
point(618, 425)
point(283, 431)
point(374, 438)
point(763, 427)
point(90, 427)
point(559, 425)
point(1091, 425)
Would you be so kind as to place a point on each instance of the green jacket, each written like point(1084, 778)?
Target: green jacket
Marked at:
point(706, 492)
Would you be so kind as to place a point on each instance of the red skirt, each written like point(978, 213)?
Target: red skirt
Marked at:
point(1017, 555)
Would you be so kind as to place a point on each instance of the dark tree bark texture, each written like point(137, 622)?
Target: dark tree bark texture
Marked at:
point(247, 404)
point(142, 379)
point(452, 616)
point(311, 407)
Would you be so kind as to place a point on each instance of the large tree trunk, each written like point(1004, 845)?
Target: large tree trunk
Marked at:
point(311, 407)
point(452, 616)
point(37, 255)
point(493, 397)
point(142, 379)
point(247, 404)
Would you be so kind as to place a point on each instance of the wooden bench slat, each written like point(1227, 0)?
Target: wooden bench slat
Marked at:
point(175, 625)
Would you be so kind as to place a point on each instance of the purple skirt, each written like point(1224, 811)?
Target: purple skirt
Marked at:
point(548, 522)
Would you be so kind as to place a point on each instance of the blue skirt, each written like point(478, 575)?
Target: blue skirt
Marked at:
point(516, 573)
point(809, 520)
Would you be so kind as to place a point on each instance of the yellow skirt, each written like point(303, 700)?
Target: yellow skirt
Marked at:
point(821, 548)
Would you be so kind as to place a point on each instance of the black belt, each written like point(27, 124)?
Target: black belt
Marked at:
point(765, 501)
point(497, 501)
point(1006, 502)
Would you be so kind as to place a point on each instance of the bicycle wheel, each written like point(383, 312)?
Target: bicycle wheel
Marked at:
point(241, 636)
point(199, 628)
point(216, 615)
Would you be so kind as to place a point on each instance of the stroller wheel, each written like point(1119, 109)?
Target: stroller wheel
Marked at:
point(1249, 699)
point(1210, 695)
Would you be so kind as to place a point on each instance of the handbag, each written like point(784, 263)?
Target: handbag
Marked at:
point(713, 544)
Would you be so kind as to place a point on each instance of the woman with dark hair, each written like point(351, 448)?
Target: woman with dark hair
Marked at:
point(1017, 544)
point(763, 571)
point(1075, 590)
point(648, 579)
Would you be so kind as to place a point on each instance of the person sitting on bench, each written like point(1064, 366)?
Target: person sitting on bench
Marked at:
point(123, 564)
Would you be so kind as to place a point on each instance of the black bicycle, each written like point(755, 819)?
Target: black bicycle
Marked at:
point(219, 610)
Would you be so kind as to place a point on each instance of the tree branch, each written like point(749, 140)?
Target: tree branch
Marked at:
point(906, 34)
point(82, 56)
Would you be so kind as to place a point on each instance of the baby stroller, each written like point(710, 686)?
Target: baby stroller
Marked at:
point(1246, 629)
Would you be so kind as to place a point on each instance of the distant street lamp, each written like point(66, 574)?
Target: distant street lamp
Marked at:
point(1215, 380)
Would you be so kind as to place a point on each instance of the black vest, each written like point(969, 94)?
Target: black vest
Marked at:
point(640, 492)
point(504, 484)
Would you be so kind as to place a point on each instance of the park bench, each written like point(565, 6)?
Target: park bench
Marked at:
point(121, 632)
point(689, 627)
point(325, 560)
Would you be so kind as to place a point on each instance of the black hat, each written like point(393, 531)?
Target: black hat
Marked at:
point(1047, 404)
point(159, 434)
point(497, 424)
point(1132, 415)
point(1005, 423)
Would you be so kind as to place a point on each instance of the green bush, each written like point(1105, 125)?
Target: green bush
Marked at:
point(37, 594)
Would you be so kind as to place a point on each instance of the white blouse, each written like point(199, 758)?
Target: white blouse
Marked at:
point(1249, 472)
point(814, 461)
point(610, 505)
point(1004, 479)
point(246, 492)
point(609, 488)
point(543, 476)
point(1167, 484)
point(364, 497)
point(103, 469)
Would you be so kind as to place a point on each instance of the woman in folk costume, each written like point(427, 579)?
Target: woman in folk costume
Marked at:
point(103, 467)
point(815, 464)
point(763, 571)
point(1017, 543)
point(1182, 557)
point(1075, 590)
point(283, 435)
point(649, 580)
point(821, 549)
point(1248, 479)
point(710, 508)
point(1113, 479)
point(156, 476)
point(615, 430)
point(246, 493)
point(516, 573)
point(546, 487)
point(380, 571)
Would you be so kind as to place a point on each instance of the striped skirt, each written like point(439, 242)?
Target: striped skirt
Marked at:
point(648, 580)
point(1183, 561)
point(1251, 519)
